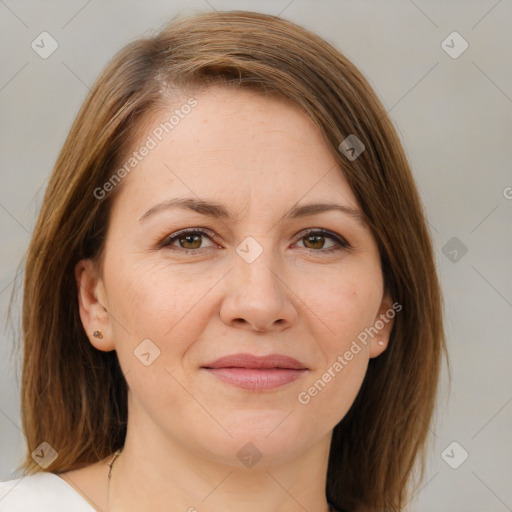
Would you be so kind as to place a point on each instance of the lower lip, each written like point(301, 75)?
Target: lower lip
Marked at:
point(257, 380)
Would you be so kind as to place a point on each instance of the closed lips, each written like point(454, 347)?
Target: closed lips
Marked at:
point(256, 373)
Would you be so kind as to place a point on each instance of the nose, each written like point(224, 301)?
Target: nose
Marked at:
point(257, 296)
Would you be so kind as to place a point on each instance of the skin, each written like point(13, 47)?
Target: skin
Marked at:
point(258, 156)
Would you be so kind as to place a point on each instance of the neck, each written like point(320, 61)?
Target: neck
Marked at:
point(159, 475)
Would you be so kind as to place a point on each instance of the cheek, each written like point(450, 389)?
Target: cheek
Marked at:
point(330, 394)
point(168, 308)
point(152, 301)
point(345, 303)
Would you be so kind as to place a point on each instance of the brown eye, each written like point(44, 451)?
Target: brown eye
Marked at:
point(323, 241)
point(314, 241)
point(188, 240)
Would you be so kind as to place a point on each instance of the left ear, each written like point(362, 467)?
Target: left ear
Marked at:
point(383, 325)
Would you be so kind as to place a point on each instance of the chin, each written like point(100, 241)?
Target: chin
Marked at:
point(275, 437)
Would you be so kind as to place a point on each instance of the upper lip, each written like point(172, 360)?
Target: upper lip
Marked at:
point(252, 361)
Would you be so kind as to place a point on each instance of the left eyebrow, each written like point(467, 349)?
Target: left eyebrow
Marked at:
point(218, 210)
point(316, 208)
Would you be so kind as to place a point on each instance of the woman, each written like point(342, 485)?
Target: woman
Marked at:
point(230, 296)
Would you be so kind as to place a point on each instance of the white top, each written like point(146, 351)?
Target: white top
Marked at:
point(41, 492)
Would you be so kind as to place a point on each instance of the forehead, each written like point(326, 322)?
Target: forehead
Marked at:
point(235, 144)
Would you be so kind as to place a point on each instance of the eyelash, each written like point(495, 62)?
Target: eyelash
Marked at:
point(342, 243)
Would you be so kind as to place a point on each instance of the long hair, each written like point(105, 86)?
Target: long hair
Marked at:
point(75, 397)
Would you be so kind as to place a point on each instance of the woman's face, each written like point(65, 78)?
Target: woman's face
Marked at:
point(252, 276)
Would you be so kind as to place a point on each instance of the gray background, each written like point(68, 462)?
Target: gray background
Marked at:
point(454, 118)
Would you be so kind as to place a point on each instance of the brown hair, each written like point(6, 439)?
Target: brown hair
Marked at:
point(75, 397)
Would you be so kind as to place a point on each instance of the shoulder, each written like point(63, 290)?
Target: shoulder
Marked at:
point(41, 492)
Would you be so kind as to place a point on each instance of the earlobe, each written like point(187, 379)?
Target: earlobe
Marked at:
point(383, 326)
point(93, 311)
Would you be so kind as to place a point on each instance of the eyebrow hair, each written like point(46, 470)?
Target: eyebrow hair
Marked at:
point(219, 211)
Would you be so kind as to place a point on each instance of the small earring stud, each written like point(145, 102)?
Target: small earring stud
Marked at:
point(381, 343)
point(98, 334)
